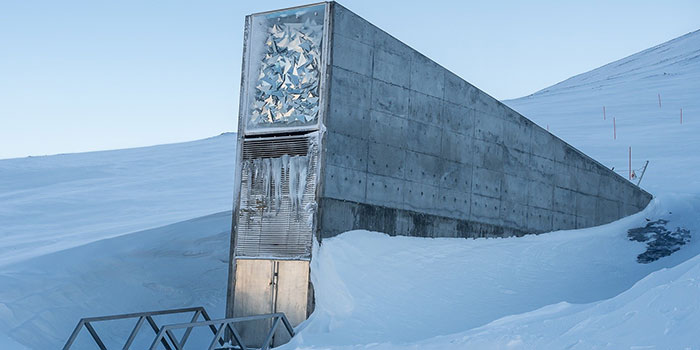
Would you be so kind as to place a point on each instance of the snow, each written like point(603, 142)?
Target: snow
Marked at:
point(142, 229)
point(52, 203)
point(179, 265)
point(376, 291)
point(629, 90)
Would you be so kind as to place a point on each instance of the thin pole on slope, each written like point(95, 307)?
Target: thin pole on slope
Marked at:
point(630, 163)
point(643, 171)
point(614, 130)
point(681, 115)
point(659, 100)
point(603, 112)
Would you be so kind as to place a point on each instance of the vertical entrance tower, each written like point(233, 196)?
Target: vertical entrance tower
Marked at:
point(278, 156)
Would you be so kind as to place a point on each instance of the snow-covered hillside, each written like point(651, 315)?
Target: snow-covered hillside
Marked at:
point(52, 203)
point(141, 229)
point(629, 89)
point(51, 207)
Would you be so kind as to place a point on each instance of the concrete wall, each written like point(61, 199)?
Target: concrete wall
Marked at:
point(412, 149)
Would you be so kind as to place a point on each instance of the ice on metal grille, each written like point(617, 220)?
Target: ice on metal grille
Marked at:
point(287, 87)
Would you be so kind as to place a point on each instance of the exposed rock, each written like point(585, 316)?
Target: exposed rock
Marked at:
point(660, 241)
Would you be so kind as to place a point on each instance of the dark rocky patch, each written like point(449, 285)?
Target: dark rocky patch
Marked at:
point(660, 241)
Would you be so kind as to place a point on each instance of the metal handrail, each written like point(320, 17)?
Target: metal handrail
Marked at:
point(142, 316)
point(221, 326)
point(166, 337)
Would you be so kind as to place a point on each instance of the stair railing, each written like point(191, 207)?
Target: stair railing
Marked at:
point(221, 329)
point(223, 325)
point(142, 317)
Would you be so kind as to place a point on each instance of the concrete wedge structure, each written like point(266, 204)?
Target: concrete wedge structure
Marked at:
point(343, 127)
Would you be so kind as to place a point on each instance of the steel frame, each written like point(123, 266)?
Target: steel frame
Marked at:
point(164, 335)
point(221, 327)
point(142, 316)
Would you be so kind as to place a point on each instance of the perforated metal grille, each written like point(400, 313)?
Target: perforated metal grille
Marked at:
point(273, 147)
point(272, 222)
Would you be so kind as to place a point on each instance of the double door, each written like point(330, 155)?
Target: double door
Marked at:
point(265, 286)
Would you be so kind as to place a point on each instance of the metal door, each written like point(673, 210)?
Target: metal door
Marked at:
point(268, 286)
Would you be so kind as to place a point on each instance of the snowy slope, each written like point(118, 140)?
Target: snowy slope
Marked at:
point(629, 89)
point(51, 203)
point(130, 230)
point(179, 265)
point(51, 207)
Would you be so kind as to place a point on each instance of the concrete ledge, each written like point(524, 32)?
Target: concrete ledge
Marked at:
point(338, 216)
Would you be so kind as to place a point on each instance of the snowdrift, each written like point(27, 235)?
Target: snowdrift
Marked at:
point(395, 292)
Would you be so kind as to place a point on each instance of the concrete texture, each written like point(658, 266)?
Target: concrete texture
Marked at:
point(412, 149)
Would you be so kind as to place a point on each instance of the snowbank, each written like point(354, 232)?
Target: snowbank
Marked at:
point(372, 288)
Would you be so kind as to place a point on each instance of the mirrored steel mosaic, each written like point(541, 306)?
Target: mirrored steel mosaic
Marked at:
point(286, 91)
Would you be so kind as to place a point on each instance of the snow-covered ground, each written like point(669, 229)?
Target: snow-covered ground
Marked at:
point(51, 207)
point(376, 291)
point(84, 235)
point(179, 265)
point(53, 203)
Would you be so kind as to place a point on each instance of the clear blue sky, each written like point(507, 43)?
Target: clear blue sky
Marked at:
point(83, 75)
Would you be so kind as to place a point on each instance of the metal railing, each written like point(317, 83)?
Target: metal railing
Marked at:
point(221, 327)
point(166, 337)
point(142, 317)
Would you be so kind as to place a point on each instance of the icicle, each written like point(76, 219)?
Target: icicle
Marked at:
point(310, 209)
point(285, 176)
point(249, 183)
point(276, 168)
point(267, 175)
point(256, 169)
point(303, 170)
point(293, 181)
